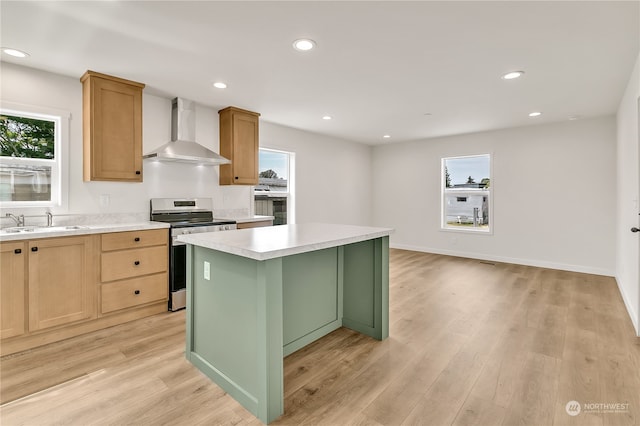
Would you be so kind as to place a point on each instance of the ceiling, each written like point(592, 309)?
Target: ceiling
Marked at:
point(412, 70)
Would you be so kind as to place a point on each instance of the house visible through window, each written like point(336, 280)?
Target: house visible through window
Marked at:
point(466, 193)
point(273, 195)
point(29, 159)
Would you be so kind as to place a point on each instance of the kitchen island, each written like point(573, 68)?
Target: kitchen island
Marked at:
point(257, 295)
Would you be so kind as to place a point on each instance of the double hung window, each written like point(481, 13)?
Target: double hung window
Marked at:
point(274, 193)
point(466, 193)
point(30, 158)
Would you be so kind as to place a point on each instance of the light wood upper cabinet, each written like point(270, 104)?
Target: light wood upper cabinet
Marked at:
point(112, 128)
point(12, 289)
point(61, 281)
point(239, 143)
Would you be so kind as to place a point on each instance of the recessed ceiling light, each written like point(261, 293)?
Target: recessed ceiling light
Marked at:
point(386, 136)
point(513, 74)
point(326, 117)
point(304, 44)
point(15, 52)
point(535, 114)
point(220, 85)
point(575, 117)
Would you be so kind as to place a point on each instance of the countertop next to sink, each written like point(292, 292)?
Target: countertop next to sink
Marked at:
point(63, 231)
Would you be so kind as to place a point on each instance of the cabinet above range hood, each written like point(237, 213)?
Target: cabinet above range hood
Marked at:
point(183, 148)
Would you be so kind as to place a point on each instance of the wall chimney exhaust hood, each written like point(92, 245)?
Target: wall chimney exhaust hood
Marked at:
point(183, 148)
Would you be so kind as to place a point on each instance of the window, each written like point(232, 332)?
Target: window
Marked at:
point(466, 193)
point(30, 158)
point(274, 193)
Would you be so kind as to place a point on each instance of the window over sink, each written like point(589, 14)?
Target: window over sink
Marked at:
point(31, 141)
point(273, 196)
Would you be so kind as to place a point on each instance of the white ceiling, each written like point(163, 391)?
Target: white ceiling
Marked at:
point(379, 67)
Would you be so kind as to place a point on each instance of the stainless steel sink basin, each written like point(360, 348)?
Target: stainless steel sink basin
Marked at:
point(42, 229)
point(17, 229)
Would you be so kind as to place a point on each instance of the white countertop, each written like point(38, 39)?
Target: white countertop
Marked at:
point(283, 240)
point(66, 231)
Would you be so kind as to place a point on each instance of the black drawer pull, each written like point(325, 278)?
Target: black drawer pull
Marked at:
point(137, 172)
point(137, 262)
point(136, 292)
point(136, 239)
point(17, 251)
point(34, 248)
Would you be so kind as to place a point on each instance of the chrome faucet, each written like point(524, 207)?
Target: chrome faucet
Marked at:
point(18, 219)
point(49, 219)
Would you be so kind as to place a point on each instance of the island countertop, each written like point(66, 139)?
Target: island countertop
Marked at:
point(283, 240)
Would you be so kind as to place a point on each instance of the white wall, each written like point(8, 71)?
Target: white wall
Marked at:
point(43, 89)
point(332, 176)
point(628, 159)
point(553, 192)
point(331, 187)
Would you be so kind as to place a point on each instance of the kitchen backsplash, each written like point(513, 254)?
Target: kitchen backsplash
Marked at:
point(79, 219)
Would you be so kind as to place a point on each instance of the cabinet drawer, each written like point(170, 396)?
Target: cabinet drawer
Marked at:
point(117, 265)
point(137, 291)
point(256, 224)
point(134, 239)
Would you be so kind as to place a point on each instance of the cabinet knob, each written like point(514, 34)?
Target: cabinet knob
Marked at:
point(136, 292)
point(34, 248)
point(136, 239)
point(137, 262)
point(137, 172)
point(17, 251)
point(236, 177)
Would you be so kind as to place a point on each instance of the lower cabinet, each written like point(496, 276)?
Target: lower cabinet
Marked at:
point(61, 281)
point(255, 224)
point(55, 288)
point(134, 269)
point(12, 289)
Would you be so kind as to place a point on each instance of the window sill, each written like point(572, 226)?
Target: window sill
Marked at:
point(469, 230)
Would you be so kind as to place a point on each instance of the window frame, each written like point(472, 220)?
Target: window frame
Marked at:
point(443, 197)
point(59, 164)
point(289, 193)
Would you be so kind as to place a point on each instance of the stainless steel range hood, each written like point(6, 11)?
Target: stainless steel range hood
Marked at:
point(183, 148)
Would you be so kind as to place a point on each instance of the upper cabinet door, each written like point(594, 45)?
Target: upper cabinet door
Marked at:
point(239, 142)
point(112, 128)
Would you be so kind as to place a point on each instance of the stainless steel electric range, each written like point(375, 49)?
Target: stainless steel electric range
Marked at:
point(186, 216)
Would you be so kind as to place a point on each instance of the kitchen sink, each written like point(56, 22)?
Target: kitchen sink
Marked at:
point(41, 229)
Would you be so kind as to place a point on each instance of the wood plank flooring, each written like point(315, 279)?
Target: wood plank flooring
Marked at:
point(471, 343)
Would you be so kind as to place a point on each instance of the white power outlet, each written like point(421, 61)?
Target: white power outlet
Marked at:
point(207, 271)
point(105, 200)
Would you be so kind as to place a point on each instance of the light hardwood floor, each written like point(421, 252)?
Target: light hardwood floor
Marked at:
point(471, 343)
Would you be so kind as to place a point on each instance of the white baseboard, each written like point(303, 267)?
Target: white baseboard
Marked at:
point(632, 313)
point(517, 261)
